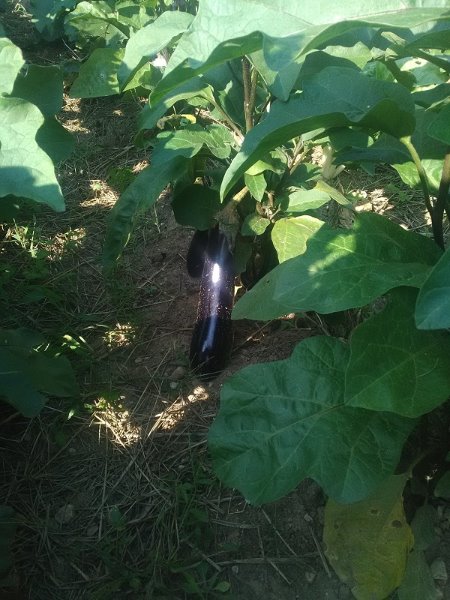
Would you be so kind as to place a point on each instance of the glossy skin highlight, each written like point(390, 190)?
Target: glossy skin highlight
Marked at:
point(213, 336)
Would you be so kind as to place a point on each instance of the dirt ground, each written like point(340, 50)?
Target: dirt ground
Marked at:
point(114, 492)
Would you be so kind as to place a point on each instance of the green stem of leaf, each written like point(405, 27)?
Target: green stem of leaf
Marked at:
point(421, 172)
point(248, 107)
point(442, 200)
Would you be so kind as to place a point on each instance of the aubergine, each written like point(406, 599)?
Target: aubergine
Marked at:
point(195, 258)
point(212, 337)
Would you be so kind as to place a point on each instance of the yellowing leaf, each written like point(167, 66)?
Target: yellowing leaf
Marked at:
point(367, 543)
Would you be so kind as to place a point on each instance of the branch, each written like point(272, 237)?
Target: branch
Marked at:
point(421, 171)
point(442, 200)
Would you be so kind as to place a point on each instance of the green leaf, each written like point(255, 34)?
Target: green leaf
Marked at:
point(48, 16)
point(98, 75)
point(418, 583)
point(428, 97)
point(322, 186)
point(25, 373)
point(139, 196)
point(7, 531)
point(396, 367)
point(30, 86)
point(442, 489)
point(342, 269)
point(222, 587)
point(196, 88)
point(256, 184)
point(334, 97)
point(284, 30)
point(11, 62)
point(423, 526)
point(53, 375)
point(297, 200)
point(289, 235)
point(55, 140)
point(148, 41)
point(16, 385)
point(25, 169)
point(254, 224)
point(196, 206)
point(282, 421)
point(367, 543)
point(191, 139)
point(433, 302)
point(95, 21)
point(440, 127)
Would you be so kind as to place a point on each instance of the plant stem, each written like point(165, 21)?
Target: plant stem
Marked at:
point(421, 171)
point(248, 108)
point(442, 201)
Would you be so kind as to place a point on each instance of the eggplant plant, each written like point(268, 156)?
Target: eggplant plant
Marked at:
point(249, 89)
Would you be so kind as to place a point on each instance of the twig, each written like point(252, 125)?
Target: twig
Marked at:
point(262, 561)
point(279, 571)
point(278, 533)
point(205, 557)
point(321, 554)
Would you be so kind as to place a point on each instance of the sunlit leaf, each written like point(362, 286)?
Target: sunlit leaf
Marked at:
point(396, 367)
point(342, 268)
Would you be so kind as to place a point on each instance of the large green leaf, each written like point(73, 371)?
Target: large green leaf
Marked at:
point(433, 302)
point(48, 16)
point(367, 543)
point(148, 41)
point(334, 97)
point(98, 75)
point(139, 196)
point(96, 21)
point(283, 29)
point(396, 367)
point(342, 269)
point(25, 169)
point(55, 140)
point(282, 421)
point(42, 86)
point(196, 206)
point(11, 61)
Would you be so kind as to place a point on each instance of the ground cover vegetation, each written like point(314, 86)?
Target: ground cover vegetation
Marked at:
point(240, 97)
